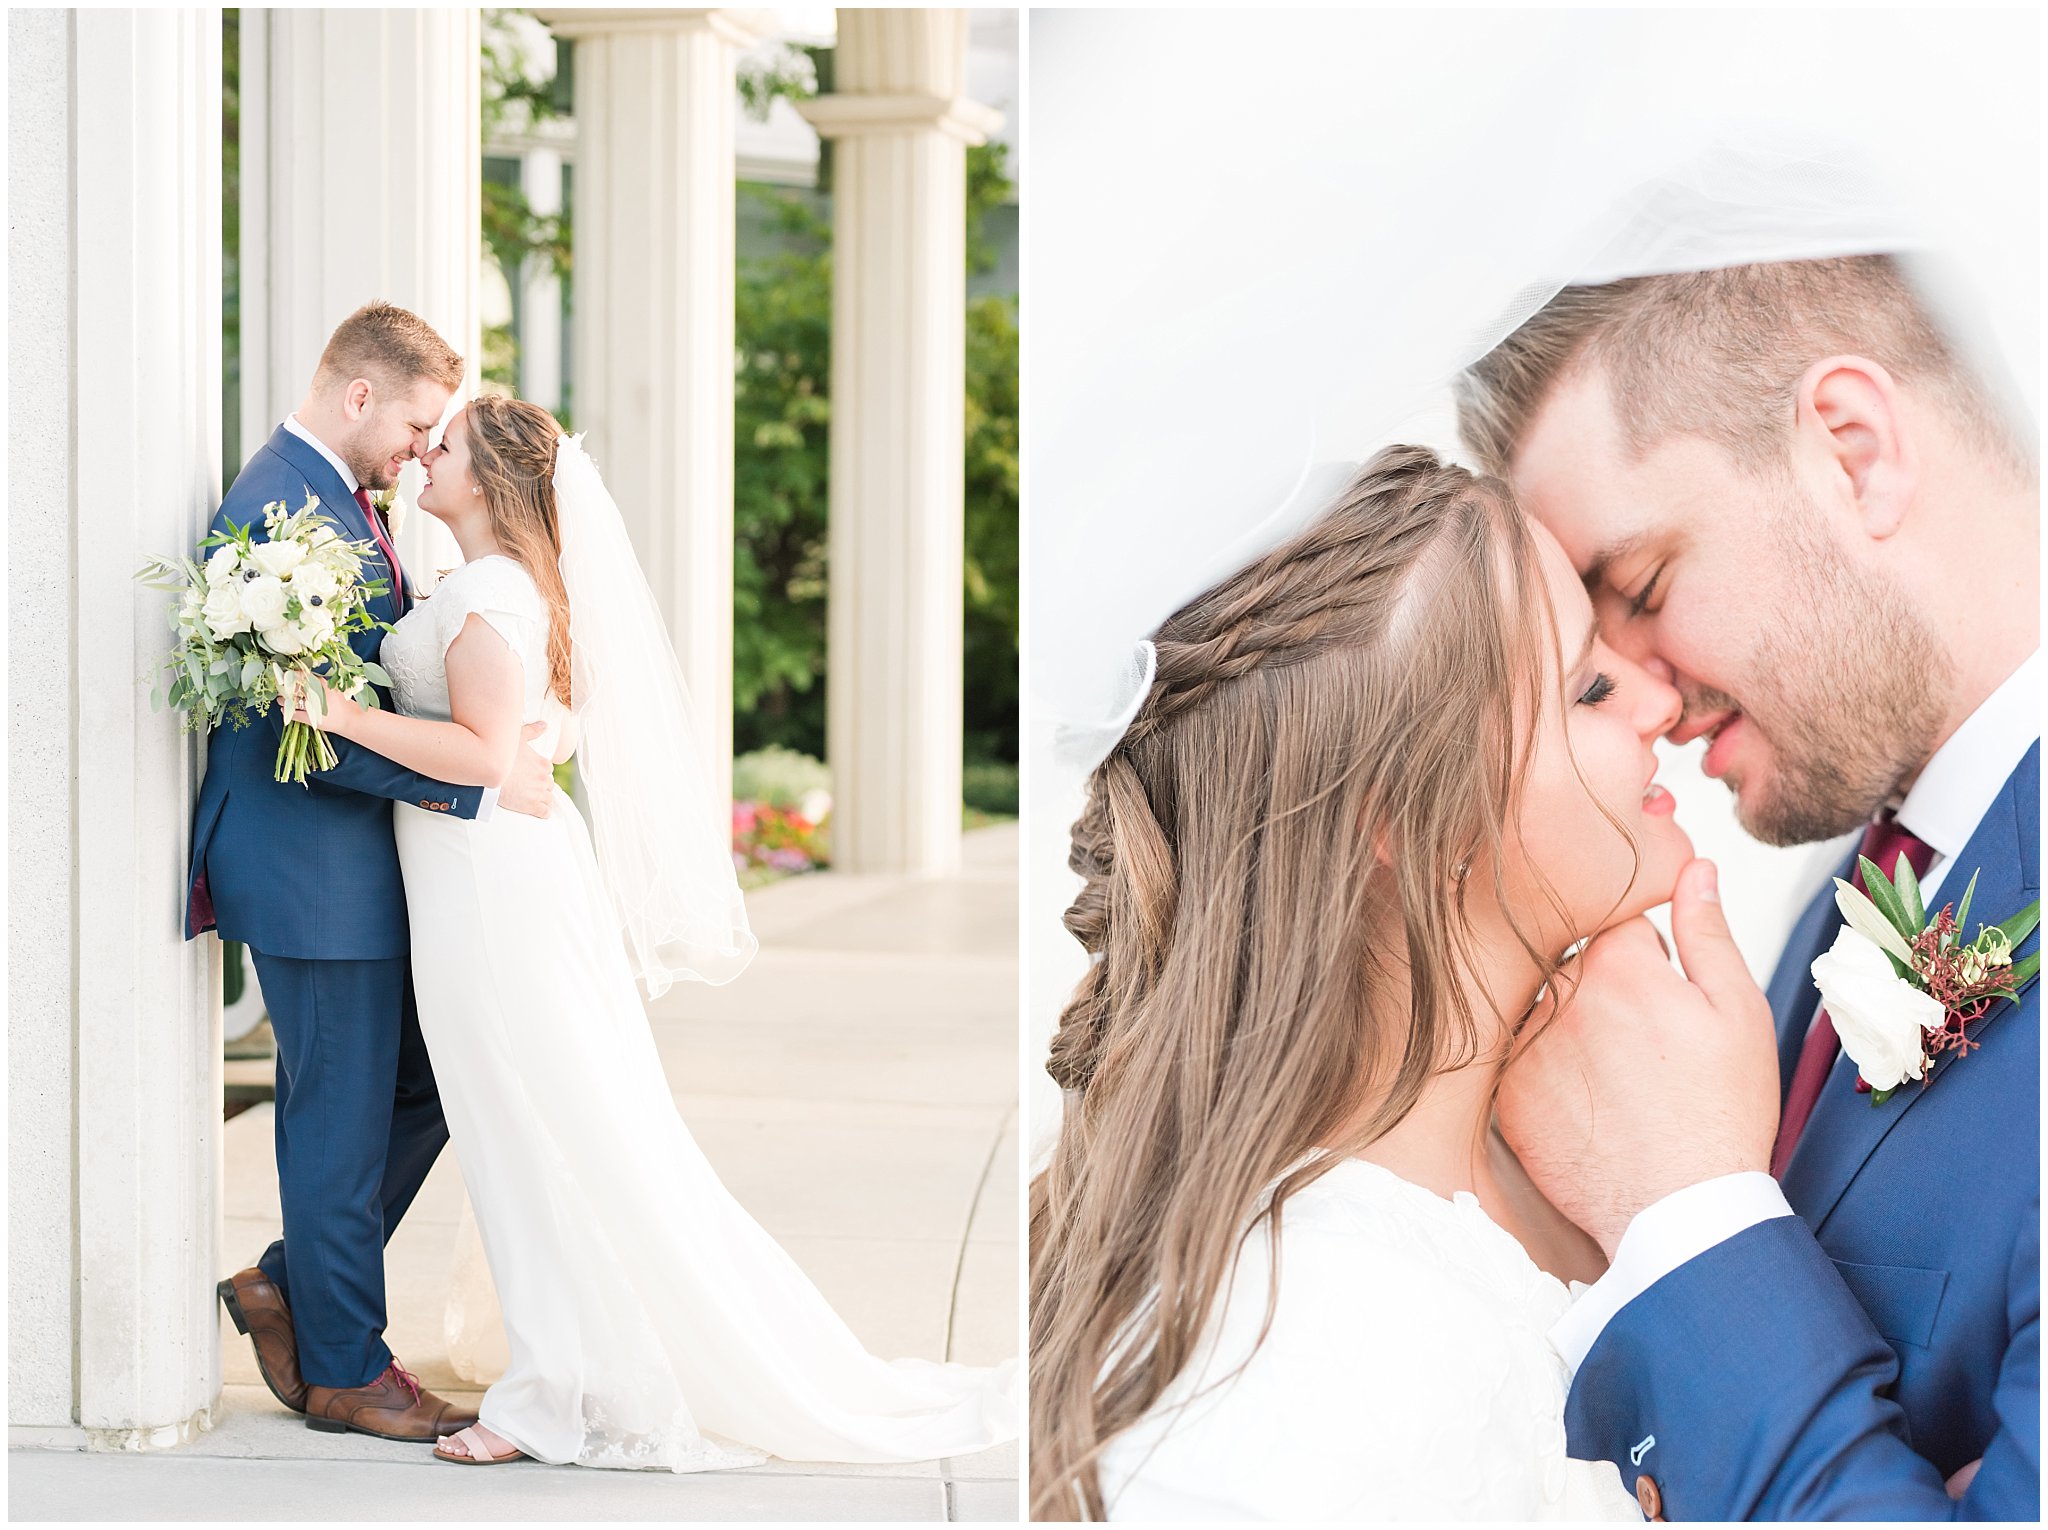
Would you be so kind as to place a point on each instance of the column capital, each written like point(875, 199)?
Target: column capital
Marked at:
point(858, 114)
point(741, 28)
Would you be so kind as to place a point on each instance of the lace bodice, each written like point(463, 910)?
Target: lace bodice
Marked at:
point(502, 593)
point(1407, 1375)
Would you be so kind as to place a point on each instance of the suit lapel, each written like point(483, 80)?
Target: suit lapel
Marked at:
point(1845, 1128)
point(339, 505)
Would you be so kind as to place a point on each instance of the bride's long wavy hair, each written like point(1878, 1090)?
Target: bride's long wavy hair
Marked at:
point(512, 459)
point(1276, 846)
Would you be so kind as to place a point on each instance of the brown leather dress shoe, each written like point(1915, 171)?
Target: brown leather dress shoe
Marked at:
point(258, 1309)
point(393, 1407)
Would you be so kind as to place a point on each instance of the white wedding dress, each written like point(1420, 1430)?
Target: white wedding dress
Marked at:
point(649, 1321)
point(1407, 1375)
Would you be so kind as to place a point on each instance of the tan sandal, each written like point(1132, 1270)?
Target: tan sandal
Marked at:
point(473, 1443)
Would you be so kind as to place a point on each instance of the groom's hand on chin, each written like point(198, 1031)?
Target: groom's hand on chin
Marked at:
point(529, 786)
point(1643, 1081)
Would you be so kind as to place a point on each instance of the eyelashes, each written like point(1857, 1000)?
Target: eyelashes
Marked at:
point(1641, 602)
point(1603, 686)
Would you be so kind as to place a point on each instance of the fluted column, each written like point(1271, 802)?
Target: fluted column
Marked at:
point(362, 178)
point(902, 123)
point(653, 291)
point(540, 336)
point(114, 1086)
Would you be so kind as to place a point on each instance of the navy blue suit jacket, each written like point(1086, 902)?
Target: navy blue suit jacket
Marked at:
point(305, 871)
point(1842, 1363)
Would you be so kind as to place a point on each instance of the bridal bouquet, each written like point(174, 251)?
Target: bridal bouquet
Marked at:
point(1902, 988)
point(257, 620)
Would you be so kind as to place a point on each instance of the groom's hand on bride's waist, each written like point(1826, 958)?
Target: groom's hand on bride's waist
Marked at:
point(1633, 1081)
point(529, 787)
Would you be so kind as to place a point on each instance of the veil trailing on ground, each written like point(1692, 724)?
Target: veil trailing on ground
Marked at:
point(663, 845)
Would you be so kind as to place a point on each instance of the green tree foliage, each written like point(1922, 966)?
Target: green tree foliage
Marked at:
point(781, 413)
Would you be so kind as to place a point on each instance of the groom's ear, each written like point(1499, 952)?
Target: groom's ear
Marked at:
point(1851, 429)
point(355, 398)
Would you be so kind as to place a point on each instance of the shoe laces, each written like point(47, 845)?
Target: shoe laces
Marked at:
point(406, 1379)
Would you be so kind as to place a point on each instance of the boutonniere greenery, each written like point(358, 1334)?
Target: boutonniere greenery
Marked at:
point(1902, 988)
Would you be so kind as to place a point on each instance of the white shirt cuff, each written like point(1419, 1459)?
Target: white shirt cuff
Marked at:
point(1681, 1227)
point(489, 805)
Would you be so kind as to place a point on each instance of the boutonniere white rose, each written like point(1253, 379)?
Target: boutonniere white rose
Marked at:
point(391, 507)
point(1902, 988)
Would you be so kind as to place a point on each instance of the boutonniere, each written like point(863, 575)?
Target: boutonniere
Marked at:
point(390, 506)
point(1902, 988)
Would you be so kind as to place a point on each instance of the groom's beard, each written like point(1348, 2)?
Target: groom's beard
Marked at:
point(371, 472)
point(1849, 689)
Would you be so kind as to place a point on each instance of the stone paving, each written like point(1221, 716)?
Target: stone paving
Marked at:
point(856, 1090)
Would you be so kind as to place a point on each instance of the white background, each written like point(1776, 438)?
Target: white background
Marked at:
point(1236, 212)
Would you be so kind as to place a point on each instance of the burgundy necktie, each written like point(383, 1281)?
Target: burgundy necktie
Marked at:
point(383, 546)
point(1883, 842)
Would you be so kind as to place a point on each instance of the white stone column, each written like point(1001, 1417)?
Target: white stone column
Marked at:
point(653, 295)
point(362, 178)
point(114, 439)
point(540, 330)
point(900, 121)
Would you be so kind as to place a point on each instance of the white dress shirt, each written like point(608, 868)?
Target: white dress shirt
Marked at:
point(291, 423)
point(1952, 794)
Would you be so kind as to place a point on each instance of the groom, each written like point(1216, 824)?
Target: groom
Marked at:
point(1792, 499)
point(307, 877)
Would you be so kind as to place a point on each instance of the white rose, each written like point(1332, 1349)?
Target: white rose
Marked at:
point(1878, 1014)
point(220, 568)
point(224, 614)
point(285, 638)
point(262, 602)
point(278, 558)
point(316, 626)
point(314, 581)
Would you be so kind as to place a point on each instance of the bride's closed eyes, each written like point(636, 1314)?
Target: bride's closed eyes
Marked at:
point(1602, 687)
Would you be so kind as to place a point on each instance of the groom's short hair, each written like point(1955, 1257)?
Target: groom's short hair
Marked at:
point(1719, 355)
point(391, 346)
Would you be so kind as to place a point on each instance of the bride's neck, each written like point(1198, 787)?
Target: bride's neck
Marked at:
point(1447, 1143)
point(474, 538)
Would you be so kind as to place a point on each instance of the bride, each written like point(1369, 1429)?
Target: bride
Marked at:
point(1282, 1267)
point(649, 1321)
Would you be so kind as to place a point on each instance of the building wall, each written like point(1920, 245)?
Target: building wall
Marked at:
point(41, 744)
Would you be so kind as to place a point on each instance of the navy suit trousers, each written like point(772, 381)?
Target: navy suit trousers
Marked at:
point(352, 1150)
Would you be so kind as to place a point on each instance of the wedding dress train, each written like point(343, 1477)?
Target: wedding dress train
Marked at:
point(649, 1321)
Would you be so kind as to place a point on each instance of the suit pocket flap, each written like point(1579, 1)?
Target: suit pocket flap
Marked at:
point(1901, 1299)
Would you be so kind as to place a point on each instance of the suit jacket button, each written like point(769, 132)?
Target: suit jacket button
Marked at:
point(1650, 1500)
point(425, 803)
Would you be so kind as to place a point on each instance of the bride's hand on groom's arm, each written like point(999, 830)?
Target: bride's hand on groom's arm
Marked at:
point(1644, 1081)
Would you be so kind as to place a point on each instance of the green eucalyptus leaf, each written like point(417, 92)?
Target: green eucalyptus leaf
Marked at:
point(1907, 884)
point(1877, 886)
point(1963, 908)
point(2026, 967)
point(1879, 1096)
point(2021, 925)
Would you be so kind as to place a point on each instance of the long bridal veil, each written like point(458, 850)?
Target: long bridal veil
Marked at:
point(1235, 299)
point(663, 846)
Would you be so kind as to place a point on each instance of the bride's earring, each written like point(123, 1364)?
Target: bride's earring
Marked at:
point(1459, 871)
